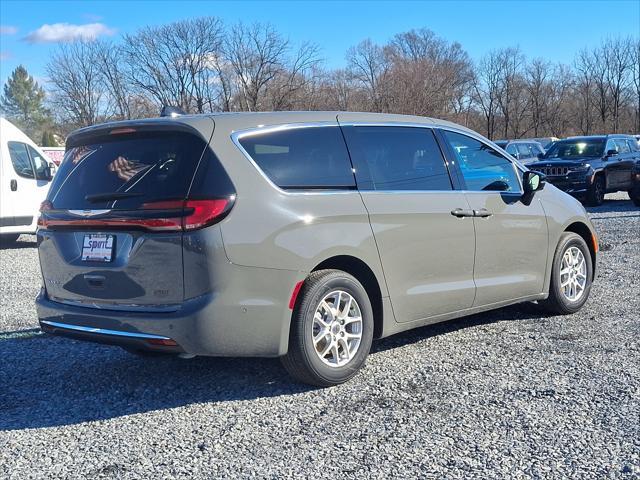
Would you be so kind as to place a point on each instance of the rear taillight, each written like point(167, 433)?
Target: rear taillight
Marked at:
point(205, 212)
point(44, 207)
point(165, 216)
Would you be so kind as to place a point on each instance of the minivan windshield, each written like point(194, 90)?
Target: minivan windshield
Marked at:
point(578, 148)
point(126, 171)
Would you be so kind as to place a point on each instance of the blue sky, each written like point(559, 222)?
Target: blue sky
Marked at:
point(554, 30)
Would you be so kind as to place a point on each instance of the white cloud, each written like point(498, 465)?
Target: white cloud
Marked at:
point(8, 30)
point(66, 32)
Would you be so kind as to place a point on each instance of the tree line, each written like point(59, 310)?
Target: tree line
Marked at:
point(202, 65)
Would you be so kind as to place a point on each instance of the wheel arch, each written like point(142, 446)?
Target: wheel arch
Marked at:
point(364, 274)
point(587, 234)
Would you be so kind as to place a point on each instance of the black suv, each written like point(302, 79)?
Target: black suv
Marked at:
point(590, 167)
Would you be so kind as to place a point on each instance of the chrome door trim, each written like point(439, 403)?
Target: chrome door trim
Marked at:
point(260, 129)
point(103, 331)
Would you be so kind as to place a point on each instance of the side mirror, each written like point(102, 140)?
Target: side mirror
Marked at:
point(533, 181)
point(611, 153)
point(540, 156)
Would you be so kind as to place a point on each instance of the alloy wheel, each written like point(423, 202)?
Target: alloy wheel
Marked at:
point(337, 328)
point(573, 274)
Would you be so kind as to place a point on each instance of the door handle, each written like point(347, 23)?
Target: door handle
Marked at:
point(461, 212)
point(14, 185)
point(483, 213)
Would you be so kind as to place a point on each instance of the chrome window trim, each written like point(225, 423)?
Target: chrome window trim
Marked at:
point(104, 331)
point(239, 134)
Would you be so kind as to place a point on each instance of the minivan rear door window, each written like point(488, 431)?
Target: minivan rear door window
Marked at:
point(301, 158)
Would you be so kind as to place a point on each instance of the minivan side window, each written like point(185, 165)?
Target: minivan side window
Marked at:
point(397, 158)
point(483, 168)
point(20, 159)
point(302, 158)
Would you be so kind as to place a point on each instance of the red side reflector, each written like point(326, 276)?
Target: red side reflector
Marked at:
point(294, 294)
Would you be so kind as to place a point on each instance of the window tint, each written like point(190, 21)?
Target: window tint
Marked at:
point(524, 150)
point(611, 145)
point(40, 165)
point(148, 167)
point(622, 145)
point(397, 158)
point(20, 159)
point(483, 168)
point(512, 150)
point(302, 158)
point(536, 149)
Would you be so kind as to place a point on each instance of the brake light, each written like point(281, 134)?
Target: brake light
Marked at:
point(173, 215)
point(44, 206)
point(205, 212)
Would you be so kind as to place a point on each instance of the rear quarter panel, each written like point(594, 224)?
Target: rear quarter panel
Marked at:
point(271, 228)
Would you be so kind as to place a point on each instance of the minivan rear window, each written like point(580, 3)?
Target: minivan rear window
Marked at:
point(125, 171)
point(302, 158)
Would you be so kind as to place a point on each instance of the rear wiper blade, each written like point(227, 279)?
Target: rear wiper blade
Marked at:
point(105, 197)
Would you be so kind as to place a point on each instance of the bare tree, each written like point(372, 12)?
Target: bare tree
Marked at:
point(618, 58)
point(368, 66)
point(78, 83)
point(488, 88)
point(174, 63)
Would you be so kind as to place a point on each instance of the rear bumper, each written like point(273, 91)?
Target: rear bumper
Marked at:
point(138, 341)
point(249, 318)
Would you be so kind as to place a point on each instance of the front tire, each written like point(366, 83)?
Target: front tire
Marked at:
point(331, 329)
point(571, 276)
point(634, 195)
point(595, 195)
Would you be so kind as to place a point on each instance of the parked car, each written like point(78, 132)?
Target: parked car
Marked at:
point(523, 150)
point(25, 175)
point(634, 193)
point(301, 235)
point(590, 167)
point(546, 142)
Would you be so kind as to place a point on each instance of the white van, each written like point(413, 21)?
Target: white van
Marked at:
point(25, 175)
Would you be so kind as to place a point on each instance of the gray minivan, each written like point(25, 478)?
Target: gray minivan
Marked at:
point(301, 235)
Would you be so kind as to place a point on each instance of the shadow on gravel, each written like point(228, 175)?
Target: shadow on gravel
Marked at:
point(47, 381)
point(18, 244)
point(522, 312)
point(610, 206)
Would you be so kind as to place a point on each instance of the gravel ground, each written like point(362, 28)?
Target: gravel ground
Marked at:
point(507, 394)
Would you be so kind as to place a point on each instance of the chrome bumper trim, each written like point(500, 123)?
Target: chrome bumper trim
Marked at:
point(103, 331)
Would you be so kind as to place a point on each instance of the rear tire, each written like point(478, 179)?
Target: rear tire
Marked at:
point(331, 329)
point(559, 301)
point(634, 195)
point(9, 238)
point(595, 194)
